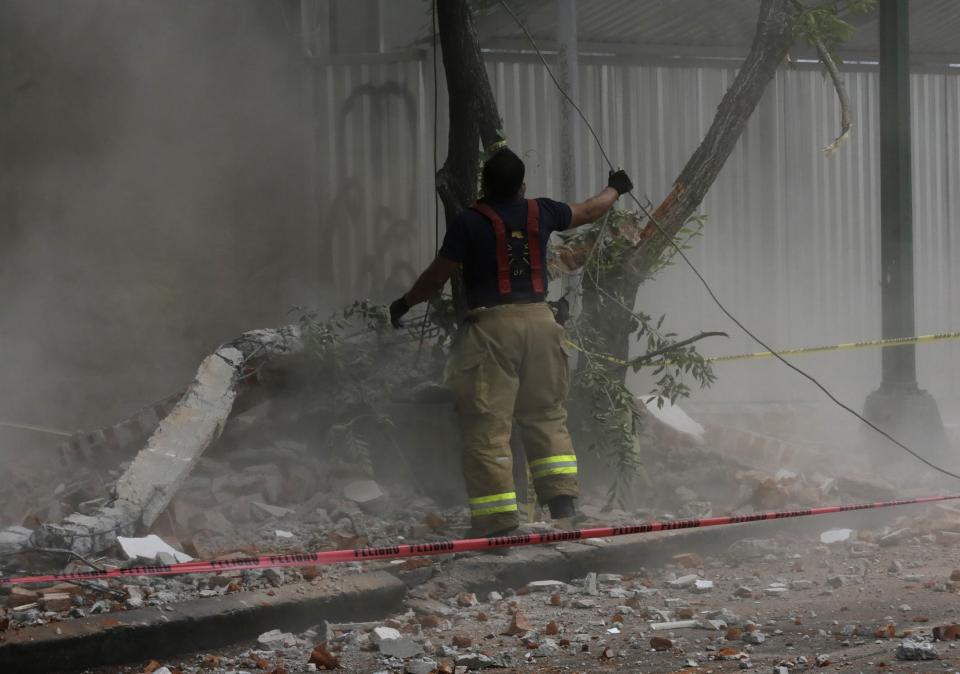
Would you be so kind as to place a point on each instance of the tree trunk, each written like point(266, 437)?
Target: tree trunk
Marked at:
point(473, 116)
point(770, 45)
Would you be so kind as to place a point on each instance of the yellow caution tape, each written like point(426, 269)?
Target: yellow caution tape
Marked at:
point(38, 429)
point(879, 343)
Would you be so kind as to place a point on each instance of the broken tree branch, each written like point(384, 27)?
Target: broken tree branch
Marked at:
point(842, 95)
point(647, 357)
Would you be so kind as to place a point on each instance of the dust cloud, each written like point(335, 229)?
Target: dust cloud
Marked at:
point(152, 197)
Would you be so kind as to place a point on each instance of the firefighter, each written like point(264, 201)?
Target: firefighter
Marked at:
point(509, 361)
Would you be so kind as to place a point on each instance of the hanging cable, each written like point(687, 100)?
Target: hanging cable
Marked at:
point(700, 276)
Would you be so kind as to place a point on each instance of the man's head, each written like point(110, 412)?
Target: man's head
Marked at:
point(503, 175)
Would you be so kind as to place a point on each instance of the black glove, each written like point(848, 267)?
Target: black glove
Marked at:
point(561, 310)
point(397, 310)
point(620, 181)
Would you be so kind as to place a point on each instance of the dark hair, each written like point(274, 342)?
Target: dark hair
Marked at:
point(502, 175)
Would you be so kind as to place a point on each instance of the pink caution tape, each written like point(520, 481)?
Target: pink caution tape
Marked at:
point(449, 547)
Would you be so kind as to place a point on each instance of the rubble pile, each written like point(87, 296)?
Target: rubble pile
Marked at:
point(255, 494)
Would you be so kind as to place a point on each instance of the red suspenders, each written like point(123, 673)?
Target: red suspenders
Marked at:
point(533, 239)
point(533, 242)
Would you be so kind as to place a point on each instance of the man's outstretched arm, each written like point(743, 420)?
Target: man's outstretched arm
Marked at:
point(430, 282)
point(590, 210)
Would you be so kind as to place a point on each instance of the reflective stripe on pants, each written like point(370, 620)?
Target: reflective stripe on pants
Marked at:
point(493, 504)
point(562, 464)
point(510, 365)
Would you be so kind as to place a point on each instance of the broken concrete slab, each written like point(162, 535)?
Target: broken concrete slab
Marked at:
point(14, 539)
point(363, 492)
point(148, 547)
point(149, 484)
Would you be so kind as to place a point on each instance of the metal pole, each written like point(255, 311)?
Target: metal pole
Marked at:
point(896, 196)
point(568, 56)
point(899, 406)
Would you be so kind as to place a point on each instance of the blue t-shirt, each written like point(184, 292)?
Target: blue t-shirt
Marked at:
point(471, 241)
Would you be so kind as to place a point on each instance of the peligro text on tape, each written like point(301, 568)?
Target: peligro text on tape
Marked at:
point(449, 547)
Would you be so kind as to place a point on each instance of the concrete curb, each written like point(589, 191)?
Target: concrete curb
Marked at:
point(196, 625)
point(207, 624)
point(565, 561)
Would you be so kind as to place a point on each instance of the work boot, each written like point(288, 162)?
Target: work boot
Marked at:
point(562, 507)
point(473, 533)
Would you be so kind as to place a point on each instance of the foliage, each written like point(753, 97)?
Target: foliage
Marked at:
point(823, 23)
point(618, 430)
point(323, 337)
point(600, 381)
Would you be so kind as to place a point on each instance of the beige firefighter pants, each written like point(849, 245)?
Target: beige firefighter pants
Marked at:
point(509, 364)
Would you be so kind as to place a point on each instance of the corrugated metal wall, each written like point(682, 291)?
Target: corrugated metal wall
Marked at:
point(374, 175)
point(791, 242)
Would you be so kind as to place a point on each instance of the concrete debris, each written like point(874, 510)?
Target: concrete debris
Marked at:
point(149, 548)
point(134, 596)
point(547, 648)
point(275, 639)
point(420, 666)
point(590, 584)
point(835, 536)
point(547, 586)
point(482, 661)
point(382, 633)
point(363, 492)
point(702, 586)
point(775, 591)
point(916, 650)
point(713, 625)
point(842, 580)
point(173, 450)
point(392, 643)
point(674, 625)
point(895, 537)
point(683, 581)
point(14, 539)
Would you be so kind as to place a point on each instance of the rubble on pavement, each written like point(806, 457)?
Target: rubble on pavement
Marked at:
point(650, 619)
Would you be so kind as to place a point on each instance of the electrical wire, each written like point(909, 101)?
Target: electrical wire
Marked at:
point(700, 276)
